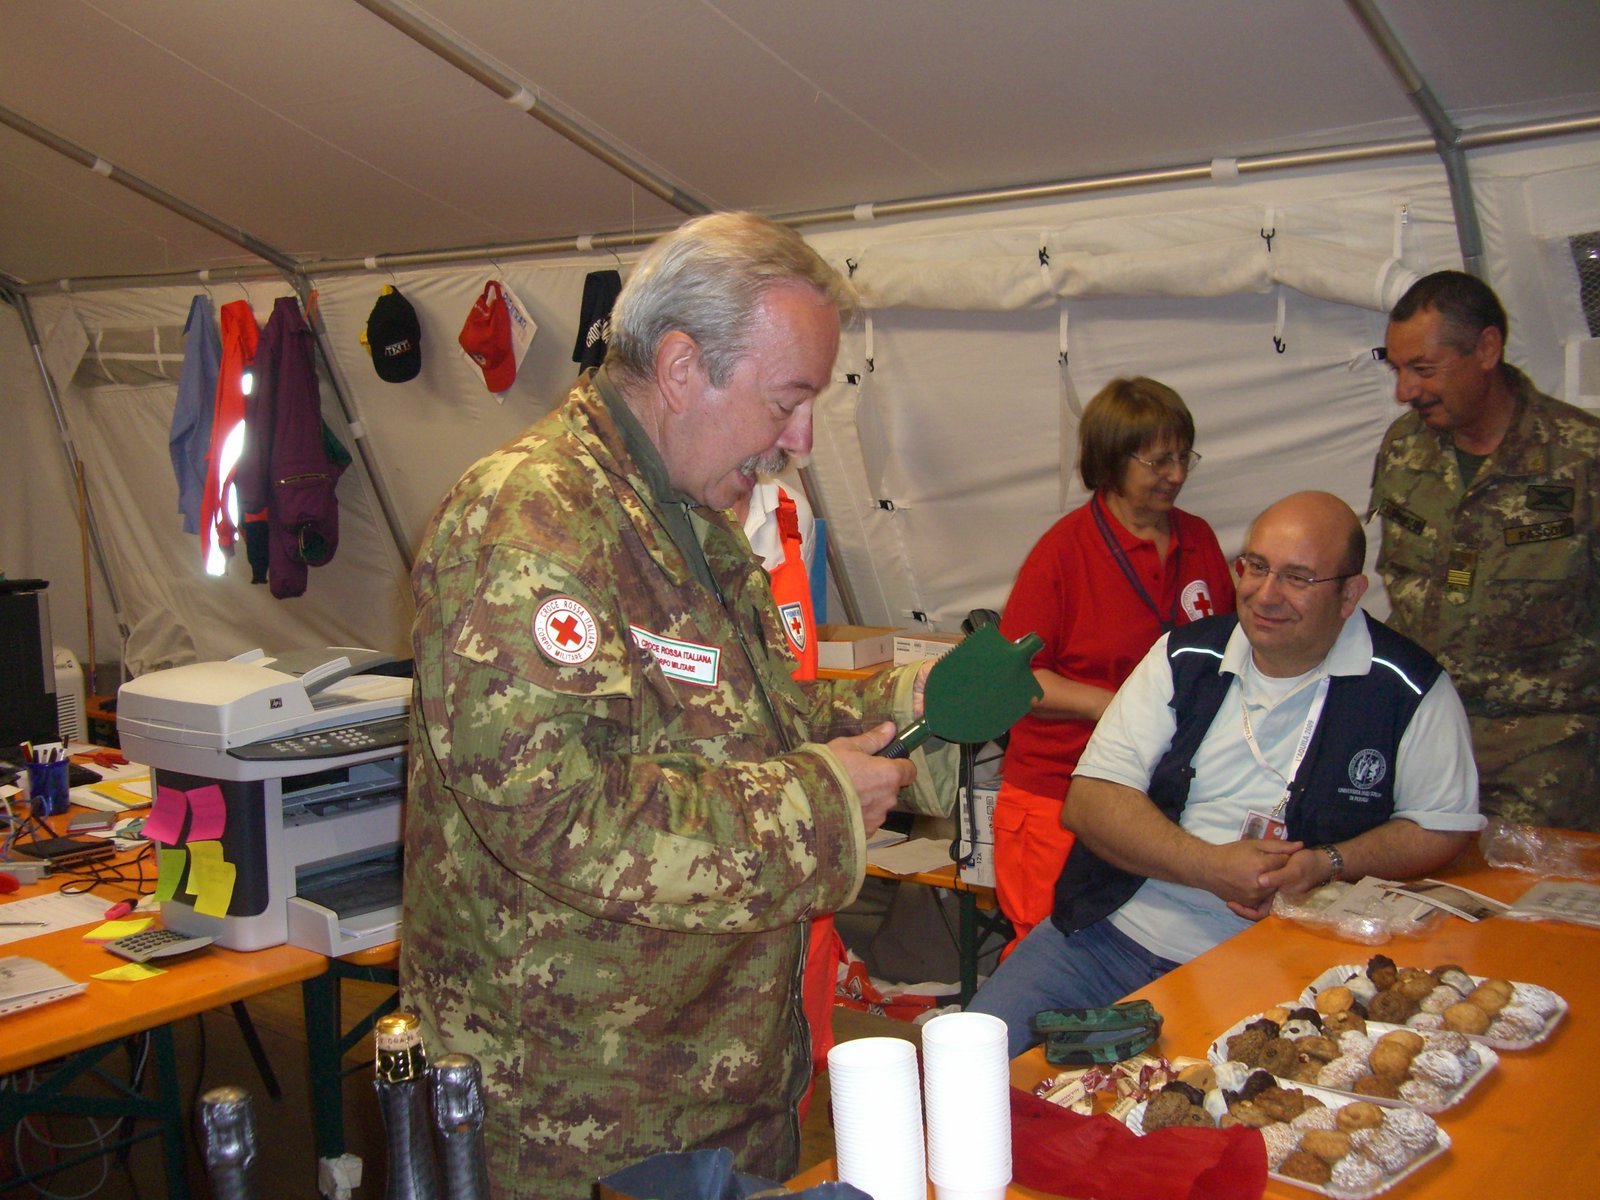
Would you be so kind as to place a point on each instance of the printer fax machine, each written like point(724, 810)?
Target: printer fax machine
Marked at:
point(308, 750)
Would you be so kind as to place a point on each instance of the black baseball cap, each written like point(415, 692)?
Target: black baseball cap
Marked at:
point(395, 337)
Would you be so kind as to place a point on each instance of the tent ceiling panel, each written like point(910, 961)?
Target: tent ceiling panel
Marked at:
point(58, 219)
point(322, 130)
point(1540, 60)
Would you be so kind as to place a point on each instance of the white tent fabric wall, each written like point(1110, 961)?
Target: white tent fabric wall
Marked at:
point(965, 392)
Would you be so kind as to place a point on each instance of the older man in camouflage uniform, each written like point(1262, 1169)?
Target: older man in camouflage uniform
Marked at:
point(1490, 498)
point(623, 810)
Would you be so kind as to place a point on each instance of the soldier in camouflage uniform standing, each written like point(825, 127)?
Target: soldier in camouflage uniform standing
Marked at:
point(1490, 497)
point(623, 811)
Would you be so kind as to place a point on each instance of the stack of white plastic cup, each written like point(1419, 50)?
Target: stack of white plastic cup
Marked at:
point(877, 1117)
point(968, 1101)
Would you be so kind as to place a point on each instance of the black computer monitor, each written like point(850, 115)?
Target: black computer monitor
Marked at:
point(28, 711)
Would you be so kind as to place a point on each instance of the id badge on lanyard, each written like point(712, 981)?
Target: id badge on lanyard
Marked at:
point(1274, 825)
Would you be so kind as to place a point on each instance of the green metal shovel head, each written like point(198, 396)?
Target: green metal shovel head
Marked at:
point(975, 693)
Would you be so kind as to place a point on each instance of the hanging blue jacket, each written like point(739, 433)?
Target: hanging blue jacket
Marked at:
point(190, 438)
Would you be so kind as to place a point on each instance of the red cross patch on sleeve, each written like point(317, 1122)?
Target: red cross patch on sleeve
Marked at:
point(565, 631)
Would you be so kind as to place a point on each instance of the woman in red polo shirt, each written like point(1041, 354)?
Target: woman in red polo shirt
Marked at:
point(1100, 587)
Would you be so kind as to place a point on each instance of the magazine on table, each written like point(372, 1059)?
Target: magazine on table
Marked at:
point(1462, 902)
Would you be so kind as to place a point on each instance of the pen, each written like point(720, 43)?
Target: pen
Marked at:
point(21, 922)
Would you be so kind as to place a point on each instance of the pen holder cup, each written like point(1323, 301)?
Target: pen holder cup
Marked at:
point(47, 788)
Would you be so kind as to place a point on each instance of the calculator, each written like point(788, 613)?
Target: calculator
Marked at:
point(155, 943)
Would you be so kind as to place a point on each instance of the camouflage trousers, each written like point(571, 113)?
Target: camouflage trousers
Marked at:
point(1539, 769)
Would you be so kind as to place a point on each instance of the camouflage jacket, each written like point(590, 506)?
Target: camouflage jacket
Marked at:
point(1500, 580)
point(620, 819)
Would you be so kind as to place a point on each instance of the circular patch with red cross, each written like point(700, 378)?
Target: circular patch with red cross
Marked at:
point(565, 630)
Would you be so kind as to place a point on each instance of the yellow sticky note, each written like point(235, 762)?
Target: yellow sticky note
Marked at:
point(131, 973)
point(211, 878)
point(170, 865)
point(116, 929)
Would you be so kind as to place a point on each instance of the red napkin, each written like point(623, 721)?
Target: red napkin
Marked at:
point(1057, 1150)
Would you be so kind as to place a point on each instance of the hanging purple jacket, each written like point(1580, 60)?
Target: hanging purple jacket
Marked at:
point(286, 468)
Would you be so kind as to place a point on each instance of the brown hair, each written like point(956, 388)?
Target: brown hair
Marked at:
point(1124, 416)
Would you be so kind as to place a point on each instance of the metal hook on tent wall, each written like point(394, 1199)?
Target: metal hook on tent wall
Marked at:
point(1279, 344)
point(1267, 235)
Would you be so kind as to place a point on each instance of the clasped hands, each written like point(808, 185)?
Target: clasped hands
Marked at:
point(1248, 873)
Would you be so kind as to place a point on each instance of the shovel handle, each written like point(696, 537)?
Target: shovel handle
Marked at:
point(907, 740)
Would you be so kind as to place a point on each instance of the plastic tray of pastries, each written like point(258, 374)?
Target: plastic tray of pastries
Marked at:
point(1528, 1016)
point(1432, 1071)
point(1390, 1143)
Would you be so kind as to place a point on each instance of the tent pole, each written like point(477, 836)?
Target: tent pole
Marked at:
point(440, 43)
point(358, 429)
point(75, 469)
point(1446, 136)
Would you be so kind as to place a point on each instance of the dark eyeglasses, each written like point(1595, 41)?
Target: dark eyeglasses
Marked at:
point(1248, 566)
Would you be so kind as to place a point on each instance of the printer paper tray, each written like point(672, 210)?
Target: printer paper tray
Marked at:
point(313, 927)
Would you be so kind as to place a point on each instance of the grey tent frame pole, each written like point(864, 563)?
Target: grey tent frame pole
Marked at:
point(74, 464)
point(1446, 134)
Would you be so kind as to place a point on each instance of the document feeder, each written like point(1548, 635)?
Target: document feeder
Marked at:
point(308, 750)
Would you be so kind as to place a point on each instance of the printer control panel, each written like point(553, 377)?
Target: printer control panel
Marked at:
point(330, 743)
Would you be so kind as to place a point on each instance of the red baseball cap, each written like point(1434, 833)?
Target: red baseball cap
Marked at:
point(486, 337)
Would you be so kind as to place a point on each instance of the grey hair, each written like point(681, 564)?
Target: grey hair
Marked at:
point(705, 279)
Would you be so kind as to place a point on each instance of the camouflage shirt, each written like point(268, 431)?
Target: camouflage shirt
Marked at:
point(1500, 579)
point(620, 819)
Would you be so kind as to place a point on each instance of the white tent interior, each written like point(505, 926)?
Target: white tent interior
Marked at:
point(1032, 198)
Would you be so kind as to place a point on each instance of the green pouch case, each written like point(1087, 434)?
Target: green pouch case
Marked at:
point(1085, 1037)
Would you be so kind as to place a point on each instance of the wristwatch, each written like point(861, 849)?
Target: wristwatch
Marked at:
point(1335, 860)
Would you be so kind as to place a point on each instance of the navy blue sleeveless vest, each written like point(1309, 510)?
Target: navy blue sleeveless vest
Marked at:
point(1344, 787)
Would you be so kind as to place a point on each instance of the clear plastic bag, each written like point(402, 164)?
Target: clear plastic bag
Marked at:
point(1372, 921)
point(1548, 852)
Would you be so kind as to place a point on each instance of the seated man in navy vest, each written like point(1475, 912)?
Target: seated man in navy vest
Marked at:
point(1296, 742)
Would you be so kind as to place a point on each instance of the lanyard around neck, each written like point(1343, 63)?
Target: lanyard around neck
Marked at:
point(1301, 747)
point(1168, 623)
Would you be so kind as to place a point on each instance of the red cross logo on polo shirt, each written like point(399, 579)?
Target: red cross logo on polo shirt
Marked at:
point(1196, 600)
point(565, 628)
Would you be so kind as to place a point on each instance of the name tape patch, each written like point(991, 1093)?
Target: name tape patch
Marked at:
point(688, 661)
point(1543, 531)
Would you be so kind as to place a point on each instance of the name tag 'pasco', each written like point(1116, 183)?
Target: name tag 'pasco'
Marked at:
point(1541, 531)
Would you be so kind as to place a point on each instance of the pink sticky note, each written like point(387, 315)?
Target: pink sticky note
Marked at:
point(165, 822)
point(208, 813)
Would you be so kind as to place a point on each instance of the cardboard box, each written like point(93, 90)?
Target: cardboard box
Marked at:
point(978, 844)
point(913, 645)
point(851, 647)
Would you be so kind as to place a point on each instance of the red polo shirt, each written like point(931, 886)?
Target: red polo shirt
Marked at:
point(1096, 628)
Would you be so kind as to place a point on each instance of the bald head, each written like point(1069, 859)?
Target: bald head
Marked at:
point(1303, 578)
point(1327, 518)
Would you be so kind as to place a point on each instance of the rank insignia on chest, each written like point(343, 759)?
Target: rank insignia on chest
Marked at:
point(1390, 510)
point(794, 623)
point(1463, 565)
point(1548, 497)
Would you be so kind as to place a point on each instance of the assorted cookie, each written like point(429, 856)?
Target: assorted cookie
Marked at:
point(1343, 1051)
point(1497, 1011)
point(1344, 1147)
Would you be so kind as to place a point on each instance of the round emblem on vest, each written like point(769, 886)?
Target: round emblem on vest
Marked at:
point(1367, 769)
point(566, 631)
